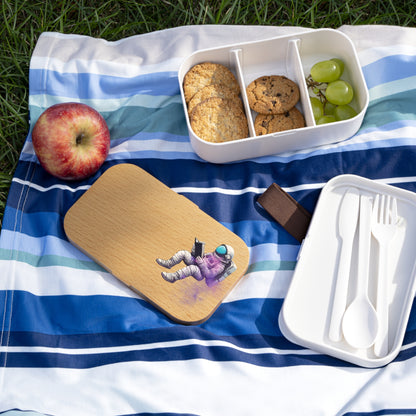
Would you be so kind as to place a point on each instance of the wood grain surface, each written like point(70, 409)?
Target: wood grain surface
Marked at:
point(128, 218)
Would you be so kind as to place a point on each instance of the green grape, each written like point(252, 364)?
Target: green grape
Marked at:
point(326, 119)
point(344, 112)
point(325, 71)
point(329, 108)
point(340, 63)
point(339, 92)
point(317, 107)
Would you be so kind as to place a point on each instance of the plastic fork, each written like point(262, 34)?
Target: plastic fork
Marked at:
point(383, 228)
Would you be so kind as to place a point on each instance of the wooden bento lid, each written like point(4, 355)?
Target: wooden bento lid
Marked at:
point(127, 219)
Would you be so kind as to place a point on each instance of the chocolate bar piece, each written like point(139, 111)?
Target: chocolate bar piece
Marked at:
point(292, 216)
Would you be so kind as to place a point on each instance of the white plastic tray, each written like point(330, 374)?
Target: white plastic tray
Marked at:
point(292, 56)
point(306, 311)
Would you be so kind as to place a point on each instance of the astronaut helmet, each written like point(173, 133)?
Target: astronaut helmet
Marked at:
point(225, 252)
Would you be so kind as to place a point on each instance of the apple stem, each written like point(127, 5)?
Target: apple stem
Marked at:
point(80, 138)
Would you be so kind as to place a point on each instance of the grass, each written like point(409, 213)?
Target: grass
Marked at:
point(25, 20)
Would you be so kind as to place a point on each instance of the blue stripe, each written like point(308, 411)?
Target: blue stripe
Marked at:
point(390, 411)
point(387, 125)
point(389, 68)
point(88, 86)
point(161, 414)
point(107, 314)
point(145, 337)
point(40, 246)
point(184, 353)
point(43, 224)
point(382, 163)
point(132, 321)
point(375, 163)
point(93, 86)
point(40, 224)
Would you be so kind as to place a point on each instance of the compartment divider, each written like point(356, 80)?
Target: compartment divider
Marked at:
point(236, 56)
point(293, 58)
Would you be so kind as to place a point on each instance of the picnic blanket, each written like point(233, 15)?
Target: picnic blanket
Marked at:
point(76, 341)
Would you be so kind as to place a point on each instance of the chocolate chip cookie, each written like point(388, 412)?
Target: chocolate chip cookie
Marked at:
point(272, 94)
point(272, 123)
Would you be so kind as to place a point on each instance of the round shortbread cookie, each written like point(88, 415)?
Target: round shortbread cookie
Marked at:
point(213, 90)
point(219, 120)
point(272, 94)
point(272, 123)
point(206, 73)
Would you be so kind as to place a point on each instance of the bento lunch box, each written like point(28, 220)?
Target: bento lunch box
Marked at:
point(291, 56)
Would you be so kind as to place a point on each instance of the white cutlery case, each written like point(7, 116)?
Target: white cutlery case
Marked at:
point(308, 306)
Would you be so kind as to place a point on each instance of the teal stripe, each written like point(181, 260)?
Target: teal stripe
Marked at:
point(54, 260)
point(48, 260)
point(130, 121)
point(395, 107)
point(270, 265)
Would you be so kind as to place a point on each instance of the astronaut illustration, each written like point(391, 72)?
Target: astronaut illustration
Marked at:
point(213, 267)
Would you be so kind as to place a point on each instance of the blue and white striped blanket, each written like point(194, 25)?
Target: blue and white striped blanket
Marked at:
point(75, 341)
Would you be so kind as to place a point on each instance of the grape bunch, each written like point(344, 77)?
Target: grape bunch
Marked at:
point(330, 95)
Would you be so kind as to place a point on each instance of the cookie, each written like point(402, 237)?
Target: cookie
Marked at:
point(206, 73)
point(272, 123)
point(213, 90)
point(219, 120)
point(272, 94)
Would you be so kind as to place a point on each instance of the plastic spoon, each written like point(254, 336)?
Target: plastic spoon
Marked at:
point(347, 224)
point(360, 323)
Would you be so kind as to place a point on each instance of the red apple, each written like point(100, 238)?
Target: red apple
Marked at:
point(71, 140)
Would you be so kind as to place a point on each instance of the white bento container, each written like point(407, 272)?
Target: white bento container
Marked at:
point(308, 306)
point(292, 56)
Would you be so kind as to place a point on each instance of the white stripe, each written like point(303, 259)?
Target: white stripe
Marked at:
point(49, 188)
point(371, 55)
point(390, 88)
point(374, 136)
point(265, 284)
point(130, 146)
point(353, 143)
point(201, 387)
point(165, 345)
point(200, 190)
point(81, 282)
point(134, 67)
point(397, 136)
point(249, 189)
point(155, 345)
